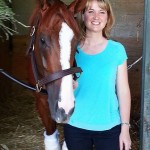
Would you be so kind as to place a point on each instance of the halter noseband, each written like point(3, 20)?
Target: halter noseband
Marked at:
point(51, 77)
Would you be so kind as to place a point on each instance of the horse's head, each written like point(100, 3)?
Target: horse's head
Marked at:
point(55, 42)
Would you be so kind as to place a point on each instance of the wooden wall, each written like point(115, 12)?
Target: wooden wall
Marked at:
point(128, 30)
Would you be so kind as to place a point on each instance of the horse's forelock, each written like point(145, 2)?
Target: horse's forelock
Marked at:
point(69, 19)
point(59, 12)
point(46, 2)
point(39, 8)
point(77, 6)
point(51, 2)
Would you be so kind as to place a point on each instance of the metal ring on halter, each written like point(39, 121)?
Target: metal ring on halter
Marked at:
point(38, 88)
point(79, 75)
point(32, 31)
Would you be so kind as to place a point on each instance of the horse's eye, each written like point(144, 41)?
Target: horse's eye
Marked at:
point(42, 41)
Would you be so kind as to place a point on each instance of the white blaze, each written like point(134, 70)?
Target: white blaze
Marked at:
point(66, 90)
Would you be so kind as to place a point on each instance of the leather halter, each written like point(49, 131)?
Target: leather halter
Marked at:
point(51, 77)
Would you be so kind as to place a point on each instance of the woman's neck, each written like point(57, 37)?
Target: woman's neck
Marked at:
point(93, 43)
point(94, 39)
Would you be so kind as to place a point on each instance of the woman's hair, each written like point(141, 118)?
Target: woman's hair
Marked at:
point(104, 4)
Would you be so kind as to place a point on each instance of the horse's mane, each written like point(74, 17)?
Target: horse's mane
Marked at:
point(36, 9)
point(69, 19)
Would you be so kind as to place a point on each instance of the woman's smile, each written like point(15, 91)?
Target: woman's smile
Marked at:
point(95, 23)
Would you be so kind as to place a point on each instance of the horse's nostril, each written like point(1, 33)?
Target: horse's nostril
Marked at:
point(58, 120)
point(71, 112)
point(61, 116)
point(59, 100)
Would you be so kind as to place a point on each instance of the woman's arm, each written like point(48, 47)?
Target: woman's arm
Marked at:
point(124, 98)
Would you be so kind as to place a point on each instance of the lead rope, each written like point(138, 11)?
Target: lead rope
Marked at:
point(130, 66)
point(30, 87)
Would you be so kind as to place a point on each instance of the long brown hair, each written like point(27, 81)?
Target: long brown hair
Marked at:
point(104, 4)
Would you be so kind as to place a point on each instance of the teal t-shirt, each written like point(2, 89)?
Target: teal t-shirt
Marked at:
point(96, 103)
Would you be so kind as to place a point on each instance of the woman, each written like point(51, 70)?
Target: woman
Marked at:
point(102, 107)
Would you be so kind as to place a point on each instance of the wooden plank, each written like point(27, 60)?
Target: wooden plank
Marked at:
point(145, 104)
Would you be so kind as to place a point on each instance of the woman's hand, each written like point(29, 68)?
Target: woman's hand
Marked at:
point(125, 140)
point(75, 84)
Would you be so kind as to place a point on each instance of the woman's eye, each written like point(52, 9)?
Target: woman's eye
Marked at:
point(102, 12)
point(90, 11)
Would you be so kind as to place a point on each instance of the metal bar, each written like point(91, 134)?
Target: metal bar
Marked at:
point(145, 102)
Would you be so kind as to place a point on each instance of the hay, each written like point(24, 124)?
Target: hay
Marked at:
point(21, 128)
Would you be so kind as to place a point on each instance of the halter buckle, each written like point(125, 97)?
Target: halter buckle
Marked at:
point(38, 88)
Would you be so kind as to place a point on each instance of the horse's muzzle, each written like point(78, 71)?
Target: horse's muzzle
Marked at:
point(61, 116)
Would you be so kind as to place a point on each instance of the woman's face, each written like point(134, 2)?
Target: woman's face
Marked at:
point(95, 18)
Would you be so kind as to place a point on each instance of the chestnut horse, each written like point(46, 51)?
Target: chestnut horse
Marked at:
point(53, 42)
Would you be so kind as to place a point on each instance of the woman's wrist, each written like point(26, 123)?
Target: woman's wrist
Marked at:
point(126, 124)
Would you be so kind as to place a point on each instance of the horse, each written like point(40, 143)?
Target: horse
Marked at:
point(54, 37)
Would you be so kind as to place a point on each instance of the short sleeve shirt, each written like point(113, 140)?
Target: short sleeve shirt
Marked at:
point(96, 102)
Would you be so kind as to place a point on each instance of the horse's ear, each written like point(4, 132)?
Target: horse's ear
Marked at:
point(77, 6)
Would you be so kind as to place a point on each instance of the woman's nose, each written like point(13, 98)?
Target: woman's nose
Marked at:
point(96, 15)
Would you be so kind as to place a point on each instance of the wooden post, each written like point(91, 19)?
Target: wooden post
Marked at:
point(145, 103)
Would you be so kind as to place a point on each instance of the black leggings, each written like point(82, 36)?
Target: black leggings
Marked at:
point(80, 139)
